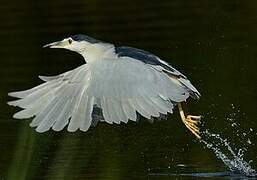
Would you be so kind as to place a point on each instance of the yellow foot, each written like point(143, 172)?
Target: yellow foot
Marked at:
point(190, 121)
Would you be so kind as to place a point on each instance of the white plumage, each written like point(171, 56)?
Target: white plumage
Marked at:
point(121, 86)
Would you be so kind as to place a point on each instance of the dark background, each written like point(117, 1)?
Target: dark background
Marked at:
point(213, 42)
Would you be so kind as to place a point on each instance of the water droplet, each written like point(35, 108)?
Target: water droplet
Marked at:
point(249, 141)
point(233, 124)
point(223, 150)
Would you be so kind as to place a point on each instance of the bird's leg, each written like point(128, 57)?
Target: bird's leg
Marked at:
point(190, 121)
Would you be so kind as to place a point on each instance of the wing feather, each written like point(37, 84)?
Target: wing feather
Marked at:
point(49, 119)
point(36, 121)
point(79, 114)
point(89, 109)
point(162, 105)
point(141, 108)
point(73, 97)
point(50, 107)
point(63, 118)
point(158, 64)
point(120, 87)
point(129, 110)
point(118, 111)
point(106, 113)
point(23, 94)
point(33, 94)
point(112, 111)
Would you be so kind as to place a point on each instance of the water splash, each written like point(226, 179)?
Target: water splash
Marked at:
point(223, 150)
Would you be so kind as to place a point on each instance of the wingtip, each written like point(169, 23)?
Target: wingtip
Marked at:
point(40, 130)
point(41, 77)
point(11, 103)
point(18, 94)
point(12, 94)
point(195, 95)
point(17, 116)
point(71, 128)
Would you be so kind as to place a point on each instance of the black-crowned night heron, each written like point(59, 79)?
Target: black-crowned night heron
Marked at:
point(116, 84)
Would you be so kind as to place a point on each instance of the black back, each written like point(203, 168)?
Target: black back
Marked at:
point(81, 37)
point(143, 56)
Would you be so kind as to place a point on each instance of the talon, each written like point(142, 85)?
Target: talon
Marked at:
point(190, 122)
point(197, 118)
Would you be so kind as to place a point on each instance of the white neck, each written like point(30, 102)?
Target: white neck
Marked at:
point(94, 52)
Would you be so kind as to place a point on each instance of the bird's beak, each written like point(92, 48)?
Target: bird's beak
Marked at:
point(59, 44)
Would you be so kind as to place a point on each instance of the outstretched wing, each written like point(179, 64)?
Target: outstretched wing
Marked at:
point(111, 89)
point(156, 62)
point(57, 102)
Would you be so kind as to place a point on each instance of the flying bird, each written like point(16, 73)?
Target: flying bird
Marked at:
point(116, 84)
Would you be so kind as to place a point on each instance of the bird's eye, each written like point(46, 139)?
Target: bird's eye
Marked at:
point(70, 41)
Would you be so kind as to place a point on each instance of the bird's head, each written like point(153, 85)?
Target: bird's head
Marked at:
point(82, 44)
